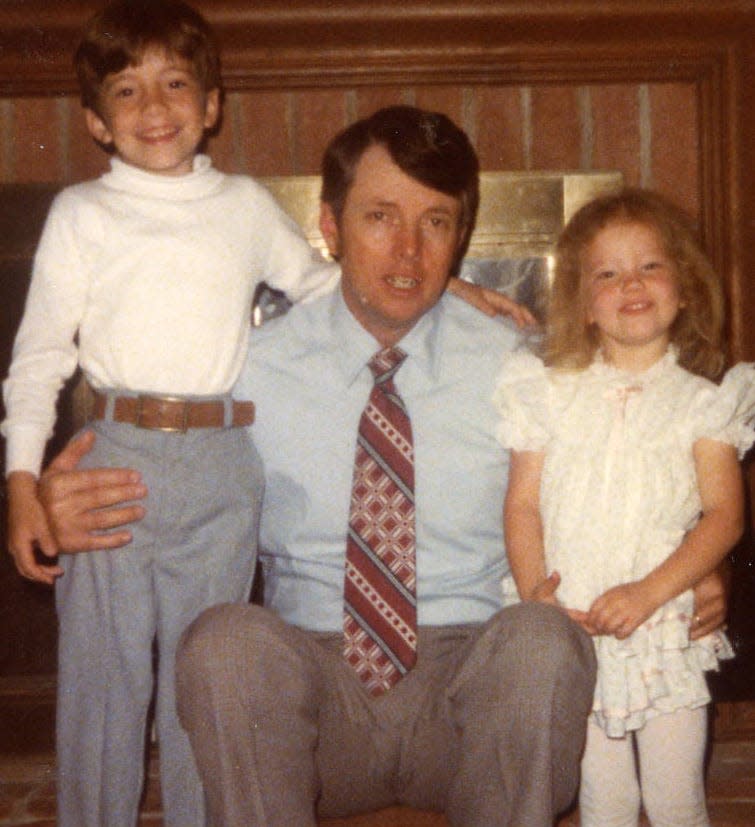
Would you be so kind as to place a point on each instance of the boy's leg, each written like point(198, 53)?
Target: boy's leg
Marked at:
point(609, 794)
point(671, 749)
point(106, 626)
point(520, 703)
point(210, 512)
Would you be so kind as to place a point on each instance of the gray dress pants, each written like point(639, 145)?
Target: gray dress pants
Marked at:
point(195, 547)
point(488, 726)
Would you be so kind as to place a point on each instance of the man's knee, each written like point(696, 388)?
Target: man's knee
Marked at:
point(203, 641)
point(542, 638)
point(213, 648)
point(526, 651)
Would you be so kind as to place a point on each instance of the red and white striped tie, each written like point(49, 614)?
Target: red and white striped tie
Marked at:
point(380, 605)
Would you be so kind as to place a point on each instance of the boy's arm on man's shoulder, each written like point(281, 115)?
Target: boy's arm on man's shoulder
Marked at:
point(491, 302)
point(292, 264)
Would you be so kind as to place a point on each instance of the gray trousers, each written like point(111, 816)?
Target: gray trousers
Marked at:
point(196, 547)
point(488, 727)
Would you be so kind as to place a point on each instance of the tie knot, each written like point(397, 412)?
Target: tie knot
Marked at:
point(386, 362)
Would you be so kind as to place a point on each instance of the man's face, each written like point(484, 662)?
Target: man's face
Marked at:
point(396, 242)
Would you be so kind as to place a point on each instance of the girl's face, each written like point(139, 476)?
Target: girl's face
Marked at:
point(632, 293)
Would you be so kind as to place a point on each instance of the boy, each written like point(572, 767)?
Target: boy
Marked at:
point(145, 278)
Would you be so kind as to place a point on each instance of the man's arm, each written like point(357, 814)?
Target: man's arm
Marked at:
point(81, 503)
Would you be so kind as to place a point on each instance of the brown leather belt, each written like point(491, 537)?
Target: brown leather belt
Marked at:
point(168, 413)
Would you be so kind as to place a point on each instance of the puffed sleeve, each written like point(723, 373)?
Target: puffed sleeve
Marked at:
point(521, 399)
point(726, 412)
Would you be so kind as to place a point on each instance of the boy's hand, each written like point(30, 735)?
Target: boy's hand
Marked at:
point(80, 504)
point(491, 302)
point(28, 530)
point(620, 610)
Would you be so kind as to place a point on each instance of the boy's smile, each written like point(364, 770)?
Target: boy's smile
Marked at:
point(155, 113)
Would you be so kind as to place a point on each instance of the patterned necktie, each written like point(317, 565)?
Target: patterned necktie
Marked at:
point(380, 606)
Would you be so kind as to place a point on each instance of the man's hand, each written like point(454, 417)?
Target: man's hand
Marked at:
point(711, 595)
point(81, 503)
point(491, 302)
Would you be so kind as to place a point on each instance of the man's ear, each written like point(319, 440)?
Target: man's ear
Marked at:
point(329, 229)
point(97, 128)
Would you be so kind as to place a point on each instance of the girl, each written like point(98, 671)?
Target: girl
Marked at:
point(625, 489)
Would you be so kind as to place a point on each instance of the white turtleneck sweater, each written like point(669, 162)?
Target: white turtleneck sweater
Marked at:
point(147, 281)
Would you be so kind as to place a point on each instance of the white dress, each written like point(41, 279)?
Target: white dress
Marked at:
point(618, 492)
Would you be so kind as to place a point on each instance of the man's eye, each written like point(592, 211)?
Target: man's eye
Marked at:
point(179, 83)
point(601, 275)
point(651, 265)
point(124, 92)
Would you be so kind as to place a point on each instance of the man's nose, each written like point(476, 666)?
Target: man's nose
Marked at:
point(409, 241)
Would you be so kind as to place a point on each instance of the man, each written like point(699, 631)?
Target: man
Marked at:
point(488, 717)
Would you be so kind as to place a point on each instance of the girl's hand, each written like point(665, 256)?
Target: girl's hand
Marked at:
point(620, 610)
point(545, 591)
point(28, 530)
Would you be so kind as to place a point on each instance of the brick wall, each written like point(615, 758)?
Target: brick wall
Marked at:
point(646, 130)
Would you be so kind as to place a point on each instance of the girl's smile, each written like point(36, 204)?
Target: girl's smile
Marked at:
point(631, 293)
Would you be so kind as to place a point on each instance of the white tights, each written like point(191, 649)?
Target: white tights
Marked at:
point(671, 749)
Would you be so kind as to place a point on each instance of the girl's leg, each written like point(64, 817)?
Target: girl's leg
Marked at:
point(671, 749)
point(609, 795)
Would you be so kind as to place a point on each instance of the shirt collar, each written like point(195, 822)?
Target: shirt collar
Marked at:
point(356, 346)
point(203, 180)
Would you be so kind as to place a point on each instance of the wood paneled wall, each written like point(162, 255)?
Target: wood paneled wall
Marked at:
point(663, 90)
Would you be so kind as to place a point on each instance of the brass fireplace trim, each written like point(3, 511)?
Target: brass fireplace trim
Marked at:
point(521, 213)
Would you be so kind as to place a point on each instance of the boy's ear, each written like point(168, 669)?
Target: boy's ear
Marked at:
point(329, 229)
point(211, 108)
point(97, 128)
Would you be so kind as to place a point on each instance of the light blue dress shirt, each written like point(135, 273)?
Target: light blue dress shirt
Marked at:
point(307, 373)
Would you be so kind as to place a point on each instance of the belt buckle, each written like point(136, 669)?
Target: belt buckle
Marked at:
point(170, 429)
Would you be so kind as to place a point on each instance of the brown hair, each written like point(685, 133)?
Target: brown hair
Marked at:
point(118, 36)
point(427, 146)
point(697, 332)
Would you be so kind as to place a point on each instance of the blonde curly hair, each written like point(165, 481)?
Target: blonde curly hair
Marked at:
point(571, 342)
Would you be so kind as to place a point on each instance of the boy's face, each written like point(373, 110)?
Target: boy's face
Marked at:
point(155, 113)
